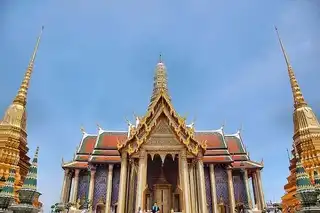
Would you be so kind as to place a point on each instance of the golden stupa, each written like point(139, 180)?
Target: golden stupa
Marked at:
point(13, 134)
point(306, 138)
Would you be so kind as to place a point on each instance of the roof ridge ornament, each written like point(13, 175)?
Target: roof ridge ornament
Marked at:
point(298, 98)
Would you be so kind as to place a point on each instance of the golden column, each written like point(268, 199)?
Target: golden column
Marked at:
point(64, 186)
point(256, 191)
point(91, 186)
point(246, 181)
point(231, 192)
point(213, 188)
point(75, 186)
point(122, 185)
point(141, 179)
point(263, 204)
point(109, 189)
point(185, 181)
point(202, 186)
point(192, 188)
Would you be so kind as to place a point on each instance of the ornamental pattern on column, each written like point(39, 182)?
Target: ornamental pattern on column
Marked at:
point(115, 185)
point(75, 186)
point(208, 188)
point(221, 177)
point(135, 179)
point(83, 185)
point(240, 194)
point(100, 185)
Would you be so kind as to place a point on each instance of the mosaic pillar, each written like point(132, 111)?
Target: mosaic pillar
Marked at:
point(91, 187)
point(263, 204)
point(100, 185)
point(192, 187)
point(64, 185)
point(75, 186)
point(122, 185)
point(109, 189)
point(202, 187)
point(246, 179)
point(185, 181)
point(141, 183)
point(256, 191)
point(208, 189)
point(213, 188)
point(231, 191)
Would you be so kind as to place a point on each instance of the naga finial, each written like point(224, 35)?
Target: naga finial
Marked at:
point(99, 127)
point(82, 129)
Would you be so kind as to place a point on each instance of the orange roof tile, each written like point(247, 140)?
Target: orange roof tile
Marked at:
point(76, 164)
point(239, 157)
point(82, 158)
point(234, 144)
point(87, 144)
point(214, 139)
point(113, 152)
point(109, 140)
point(216, 152)
point(246, 164)
point(105, 159)
point(211, 159)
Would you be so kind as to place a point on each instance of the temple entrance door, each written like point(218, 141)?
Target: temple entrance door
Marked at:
point(162, 196)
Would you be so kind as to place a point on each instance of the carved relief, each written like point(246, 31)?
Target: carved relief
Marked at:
point(158, 141)
point(163, 128)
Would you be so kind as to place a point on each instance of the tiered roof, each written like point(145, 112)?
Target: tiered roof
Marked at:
point(215, 145)
point(221, 148)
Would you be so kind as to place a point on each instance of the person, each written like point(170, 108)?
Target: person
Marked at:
point(139, 210)
point(155, 208)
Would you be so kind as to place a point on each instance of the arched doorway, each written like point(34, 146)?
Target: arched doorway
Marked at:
point(162, 180)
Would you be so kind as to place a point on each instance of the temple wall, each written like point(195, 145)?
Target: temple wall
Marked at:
point(83, 186)
point(208, 188)
point(221, 177)
point(100, 185)
point(239, 187)
point(115, 185)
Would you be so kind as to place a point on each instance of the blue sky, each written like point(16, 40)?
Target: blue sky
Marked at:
point(97, 58)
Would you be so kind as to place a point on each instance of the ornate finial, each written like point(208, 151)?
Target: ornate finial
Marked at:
point(21, 97)
point(296, 91)
point(62, 161)
point(160, 82)
point(160, 58)
point(224, 124)
point(262, 162)
point(128, 122)
point(99, 127)
point(82, 130)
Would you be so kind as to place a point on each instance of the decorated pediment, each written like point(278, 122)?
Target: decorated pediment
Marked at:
point(162, 126)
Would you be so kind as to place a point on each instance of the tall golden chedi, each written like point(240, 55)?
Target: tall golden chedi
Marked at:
point(306, 138)
point(13, 134)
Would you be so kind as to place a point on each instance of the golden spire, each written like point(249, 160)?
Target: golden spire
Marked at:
point(160, 80)
point(21, 97)
point(296, 91)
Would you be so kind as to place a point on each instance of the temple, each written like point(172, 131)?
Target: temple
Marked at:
point(161, 158)
point(13, 135)
point(306, 139)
